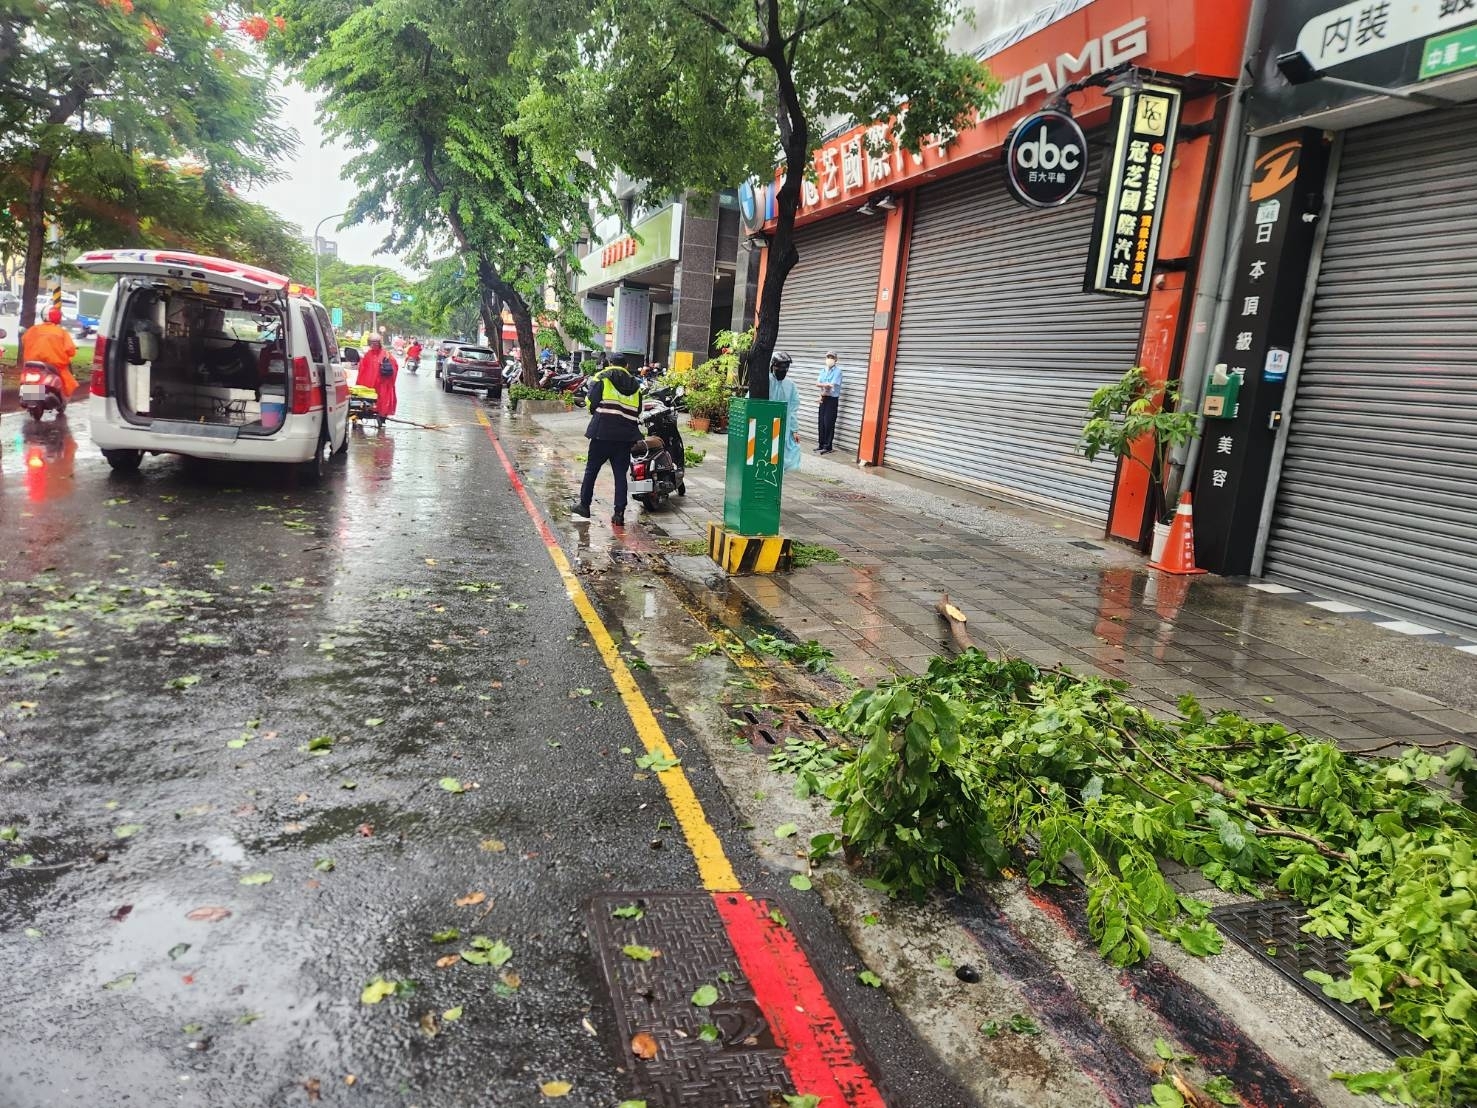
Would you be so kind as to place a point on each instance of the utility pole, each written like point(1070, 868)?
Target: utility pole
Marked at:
point(317, 276)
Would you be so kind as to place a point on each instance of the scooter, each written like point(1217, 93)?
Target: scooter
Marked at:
point(41, 390)
point(413, 365)
point(658, 462)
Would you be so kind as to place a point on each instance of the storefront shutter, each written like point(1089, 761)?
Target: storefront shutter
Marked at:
point(829, 301)
point(1378, 494)
point(1000, 348)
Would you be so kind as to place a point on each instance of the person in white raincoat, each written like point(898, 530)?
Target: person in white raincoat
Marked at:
point(783, 391)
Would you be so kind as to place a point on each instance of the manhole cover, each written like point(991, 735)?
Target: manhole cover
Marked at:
point(847, 497)
point(1083, 544)
point(767, 727)
point(689, 949)
point(1271, 930)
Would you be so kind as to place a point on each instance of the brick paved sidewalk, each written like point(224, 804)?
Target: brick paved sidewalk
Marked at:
point(1049, 590)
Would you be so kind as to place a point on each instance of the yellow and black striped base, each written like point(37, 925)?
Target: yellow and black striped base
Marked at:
point(748, 553)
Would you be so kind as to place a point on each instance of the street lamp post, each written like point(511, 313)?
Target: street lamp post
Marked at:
point(317, 276)
point(374, 317)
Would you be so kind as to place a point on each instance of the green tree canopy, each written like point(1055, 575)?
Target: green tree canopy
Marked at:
point(703, 94)
point(169, 79)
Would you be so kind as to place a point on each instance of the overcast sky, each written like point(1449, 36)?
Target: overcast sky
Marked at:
point(315, 184)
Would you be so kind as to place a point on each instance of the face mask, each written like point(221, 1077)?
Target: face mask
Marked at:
point(780, 372)
point(830, 363)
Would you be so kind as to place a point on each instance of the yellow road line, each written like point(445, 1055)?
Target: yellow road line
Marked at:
point(713, 866)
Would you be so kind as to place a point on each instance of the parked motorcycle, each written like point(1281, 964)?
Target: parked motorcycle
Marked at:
point(673, 396)
point(41, 390)
point(658, 462)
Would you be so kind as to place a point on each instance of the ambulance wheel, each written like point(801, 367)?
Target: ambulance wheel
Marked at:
point(124, 461)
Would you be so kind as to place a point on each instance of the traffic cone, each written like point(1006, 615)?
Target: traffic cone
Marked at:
point(1179, 551)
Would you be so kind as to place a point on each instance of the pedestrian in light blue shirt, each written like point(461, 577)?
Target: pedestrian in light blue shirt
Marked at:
point(829, 384)
point(784, 392)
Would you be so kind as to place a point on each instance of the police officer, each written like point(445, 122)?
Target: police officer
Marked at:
point(615, 402)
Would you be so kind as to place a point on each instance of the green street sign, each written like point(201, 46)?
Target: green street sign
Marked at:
point(1449, 53)
point(338, 317)
point(373, 306)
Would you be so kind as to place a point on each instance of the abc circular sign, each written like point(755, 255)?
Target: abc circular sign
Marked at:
point(1045, 160)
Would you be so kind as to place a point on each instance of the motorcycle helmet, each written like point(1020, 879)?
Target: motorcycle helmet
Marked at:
point(779, 365)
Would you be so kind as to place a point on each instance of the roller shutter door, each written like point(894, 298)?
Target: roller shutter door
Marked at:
point(829, 301)
point(1378, 494)
point(1000, 348)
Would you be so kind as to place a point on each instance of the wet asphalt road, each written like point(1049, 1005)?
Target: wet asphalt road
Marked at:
point(196, 629)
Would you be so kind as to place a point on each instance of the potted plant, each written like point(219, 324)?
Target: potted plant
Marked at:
point(710, 384)
point(1136, 418)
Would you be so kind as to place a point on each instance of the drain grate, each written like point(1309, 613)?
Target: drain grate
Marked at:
point(1271, 930)
point(767, 727)
point(1084, 544)
point(845, 497)
point(690, 948)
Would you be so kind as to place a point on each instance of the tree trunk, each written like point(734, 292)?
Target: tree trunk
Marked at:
point(491, 319)
point(35, 236)
point(795, 141)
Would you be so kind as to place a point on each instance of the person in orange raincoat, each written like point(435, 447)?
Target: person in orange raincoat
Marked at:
point(377, 370)
point(50, 343)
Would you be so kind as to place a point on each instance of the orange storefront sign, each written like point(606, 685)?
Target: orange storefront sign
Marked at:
point(1174, 37)
point(622, 248)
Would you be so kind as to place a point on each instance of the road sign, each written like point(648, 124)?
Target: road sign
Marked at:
point(395, 298)
point(373, 306)
point(338, 318)
point(1449, 53)
point(409, 299)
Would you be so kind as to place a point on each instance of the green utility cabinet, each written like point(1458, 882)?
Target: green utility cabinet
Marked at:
point(755, 471)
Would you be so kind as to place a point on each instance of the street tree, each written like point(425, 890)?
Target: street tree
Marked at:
point(171, 79)
point(438, 159)
point(703, 94)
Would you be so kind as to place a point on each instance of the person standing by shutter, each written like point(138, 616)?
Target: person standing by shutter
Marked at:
point(829, 384)
point(615, 401)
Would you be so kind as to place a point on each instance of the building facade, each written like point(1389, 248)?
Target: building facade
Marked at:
point(1349, 470)
point(968, 345)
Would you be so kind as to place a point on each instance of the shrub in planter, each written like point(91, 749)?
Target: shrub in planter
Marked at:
point(1132, 409)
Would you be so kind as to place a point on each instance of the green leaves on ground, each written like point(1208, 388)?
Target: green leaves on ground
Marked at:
point(708, 1033)
point(181, 683)
point(954, 769)
point(801, 882)
point(705, 997)
point(638, 953)
point(256, 879)
point(21, 861)
point(452, 785)
point(1016, 1025)
point(451, 1015)
point(487, 952)
point(127, 830)
point(118, 984)
point(809, 654)
point(867, 977)
point(9, 835)
point(629, 911)
point(802, 1100)
point(378, 989)
point(657, 761)
point(320, 745)
point(785, 830)
point(450, 935)
point(324, 865)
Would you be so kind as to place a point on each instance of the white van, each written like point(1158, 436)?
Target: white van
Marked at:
point(214, 359)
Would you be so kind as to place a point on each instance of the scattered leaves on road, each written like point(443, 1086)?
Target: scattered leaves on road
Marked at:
point(708, 1033)
point(657, 761)
point(639, 953)
point(644, 1045)
point(209, 914)
point(448, 961)
point(493, 846)
point(705, 997)
point(9, 835)
point(487, 952)
point(801, 882)
point(177, 951)
point(450, 935)
point(379, 988)
point(128, 830)
point(451, 1015)
point(630, 911)
point(120, 983)
point(22, 861)
point(555, 1089)
point(181, 683)
point(324, 865)
point(262, 878)
point(785, 830)
point(121, 913)
point(470, 899)
point(867, 977)
point(373, 722)
point(452, 785)
point(246, 1019)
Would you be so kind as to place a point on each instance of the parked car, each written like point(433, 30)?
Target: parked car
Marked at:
point(212, 358)
point(472, 367)
point(444, 347)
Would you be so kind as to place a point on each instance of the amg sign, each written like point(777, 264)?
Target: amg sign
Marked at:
point(1114, 48)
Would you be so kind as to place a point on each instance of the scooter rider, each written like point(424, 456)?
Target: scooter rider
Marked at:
point(50, 343)
point(615, 401)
